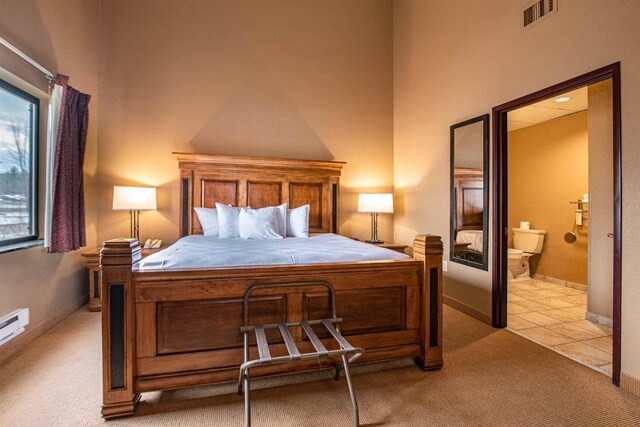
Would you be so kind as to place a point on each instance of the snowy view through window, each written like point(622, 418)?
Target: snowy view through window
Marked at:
point(17, 115)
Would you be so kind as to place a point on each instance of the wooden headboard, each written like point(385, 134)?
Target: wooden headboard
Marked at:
point(469, 198)
point(257, 182)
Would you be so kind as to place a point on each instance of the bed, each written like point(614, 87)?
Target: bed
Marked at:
point(200, 252)
point(473, 238)
point(468, 228)
point(174, 320)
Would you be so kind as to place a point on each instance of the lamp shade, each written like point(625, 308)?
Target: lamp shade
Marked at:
point(375, 202)
point(134, 198)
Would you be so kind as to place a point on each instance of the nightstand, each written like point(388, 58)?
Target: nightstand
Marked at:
point(398, 247)
point(93, 265)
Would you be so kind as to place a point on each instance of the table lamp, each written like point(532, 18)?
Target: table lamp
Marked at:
point(375, 203)
point(134, 200)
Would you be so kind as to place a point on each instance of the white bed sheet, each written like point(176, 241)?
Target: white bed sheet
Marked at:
point(198, 252)
point(471, 236)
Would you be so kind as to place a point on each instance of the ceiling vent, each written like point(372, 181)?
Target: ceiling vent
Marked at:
point(538, 10)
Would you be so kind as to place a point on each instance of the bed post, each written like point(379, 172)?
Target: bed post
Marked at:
point(430, 249)
point(118, 259)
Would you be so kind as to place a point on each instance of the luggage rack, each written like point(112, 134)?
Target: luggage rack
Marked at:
point(265, 358)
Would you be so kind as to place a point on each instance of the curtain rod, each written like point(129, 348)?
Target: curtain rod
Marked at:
point(24, 56)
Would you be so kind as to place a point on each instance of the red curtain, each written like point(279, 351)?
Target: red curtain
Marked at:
point(67, 223)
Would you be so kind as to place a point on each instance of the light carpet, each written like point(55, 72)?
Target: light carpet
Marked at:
point(490, 378)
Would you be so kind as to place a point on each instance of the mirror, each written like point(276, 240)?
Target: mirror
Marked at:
point(469, 195)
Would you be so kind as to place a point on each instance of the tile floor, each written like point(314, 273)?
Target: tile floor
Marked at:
point(554, 316)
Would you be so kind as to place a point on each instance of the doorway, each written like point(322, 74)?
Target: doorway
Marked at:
point(500, 199)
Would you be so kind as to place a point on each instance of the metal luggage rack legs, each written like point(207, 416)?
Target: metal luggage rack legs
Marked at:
point(331, 325)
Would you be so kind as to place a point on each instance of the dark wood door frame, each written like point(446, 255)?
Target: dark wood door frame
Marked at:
point(500, 194)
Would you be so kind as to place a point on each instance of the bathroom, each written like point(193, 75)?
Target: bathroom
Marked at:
point(560, 215)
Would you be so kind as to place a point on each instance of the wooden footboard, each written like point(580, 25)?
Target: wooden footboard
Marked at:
point(172, 329)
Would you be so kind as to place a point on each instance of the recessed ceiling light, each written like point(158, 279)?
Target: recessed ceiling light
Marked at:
point(563, 99)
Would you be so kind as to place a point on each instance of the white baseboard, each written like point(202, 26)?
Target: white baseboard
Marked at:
point(17, 344)
point(596, 318)
point(470, 311)
point(568, 284)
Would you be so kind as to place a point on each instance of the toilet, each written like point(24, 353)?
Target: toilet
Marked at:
point(526, 243)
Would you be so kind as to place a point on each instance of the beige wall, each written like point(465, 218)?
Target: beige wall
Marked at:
point(298, 79)
point(63, 38)
point(600, 298)
point(311, 80)
point(548, 168)
point(454, 60)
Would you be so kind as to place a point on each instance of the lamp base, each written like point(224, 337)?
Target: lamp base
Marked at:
point(374, 229)
point(134, 216)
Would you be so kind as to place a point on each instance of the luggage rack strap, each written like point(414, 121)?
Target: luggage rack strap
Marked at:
point(277, 325)
point(343, 342)
point(294, 353)
point(317, 344)
point(265, 357)
point(264, 353)
point(263, 345)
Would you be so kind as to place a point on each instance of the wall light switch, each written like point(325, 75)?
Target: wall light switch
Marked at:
point(444, 265)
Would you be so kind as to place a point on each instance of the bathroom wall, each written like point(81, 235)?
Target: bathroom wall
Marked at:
point(548, 168)
point(600, 297)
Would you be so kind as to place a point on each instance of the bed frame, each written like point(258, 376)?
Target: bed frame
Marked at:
point(164, 330)
point(469, 201)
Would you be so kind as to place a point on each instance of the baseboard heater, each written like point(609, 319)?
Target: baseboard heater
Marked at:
point(12, 324)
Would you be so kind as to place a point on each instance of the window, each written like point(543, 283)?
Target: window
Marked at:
point(18, 165)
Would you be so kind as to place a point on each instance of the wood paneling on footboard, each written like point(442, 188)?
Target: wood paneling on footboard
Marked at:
point(228, 283)
point(217, 375)
point(179, 364)
point(176, 329)
point(363, 310)
point(213, 324)
point(193, 325)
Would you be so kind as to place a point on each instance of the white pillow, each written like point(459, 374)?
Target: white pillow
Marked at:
point(298, 222)
point(281, 212)
point(208, 218)
point(228, 217)
point(259, 223)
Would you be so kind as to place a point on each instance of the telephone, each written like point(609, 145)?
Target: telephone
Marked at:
point(153, 244)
